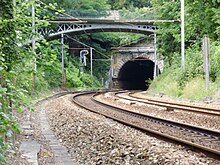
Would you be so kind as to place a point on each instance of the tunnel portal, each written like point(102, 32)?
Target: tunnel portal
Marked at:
point(134, 74)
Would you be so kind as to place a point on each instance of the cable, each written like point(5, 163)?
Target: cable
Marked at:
point(86, 46)
point(77, 41)
point(136, 41)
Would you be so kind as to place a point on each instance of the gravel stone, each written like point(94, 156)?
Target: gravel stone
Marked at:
point(200, 120)
point(94, 139)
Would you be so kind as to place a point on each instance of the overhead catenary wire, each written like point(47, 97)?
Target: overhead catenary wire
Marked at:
point(133, 42)
point(86, 45)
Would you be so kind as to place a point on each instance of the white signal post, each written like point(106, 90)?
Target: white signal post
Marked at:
point(91, 61)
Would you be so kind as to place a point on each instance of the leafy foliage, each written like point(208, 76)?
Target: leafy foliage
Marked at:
point(9, 99)
point(82, 7)
point(215, 61)
point(102, 43)
point(16, 59)
point(16, 65)
point(120, 4)
point(201, 17)
point(134, 13)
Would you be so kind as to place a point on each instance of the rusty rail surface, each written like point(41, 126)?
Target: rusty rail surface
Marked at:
point(205, 140)
point(170, 105)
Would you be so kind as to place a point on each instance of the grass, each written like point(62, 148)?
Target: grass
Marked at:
point(196, 89)
point(165, 84)
point(193, 90)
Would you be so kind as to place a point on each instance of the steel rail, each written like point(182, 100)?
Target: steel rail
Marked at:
point(188, 105)
point(171, 105)
point(207, 134)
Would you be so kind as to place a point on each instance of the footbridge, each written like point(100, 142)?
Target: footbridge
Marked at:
point(85, 26)
point(103, 21)
point(131, 68)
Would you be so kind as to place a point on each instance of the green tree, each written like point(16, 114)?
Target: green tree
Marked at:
point(200, 19)
point(168, 33)
point(120, 4)
point(82, 7)
point(15, 67)
point(8, 57)
point(139, 3)
point(117, 4)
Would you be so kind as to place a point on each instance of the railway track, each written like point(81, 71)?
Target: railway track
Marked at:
point(203, 139)
point(169, 105)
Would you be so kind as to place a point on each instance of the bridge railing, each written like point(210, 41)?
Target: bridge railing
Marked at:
point(136, 14)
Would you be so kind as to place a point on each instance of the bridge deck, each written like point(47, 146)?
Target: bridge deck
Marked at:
point(110, 21)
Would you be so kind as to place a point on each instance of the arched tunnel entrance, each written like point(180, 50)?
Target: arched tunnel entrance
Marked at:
point(134, 74)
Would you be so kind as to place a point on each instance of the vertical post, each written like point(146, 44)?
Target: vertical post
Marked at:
point(102, 82)
point(112, 66)
point(14, 6)
point(91, 60)
point(155, 55)
point(182, 37)
point(81, 61)
point(14, 15)
point(33, 48)
point(62, 53)
point(206, 57)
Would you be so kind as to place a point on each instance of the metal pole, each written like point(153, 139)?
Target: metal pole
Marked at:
point(33, 48)
point(182, 37)
point(62, 52)
point(155, 55)
point(91, 60)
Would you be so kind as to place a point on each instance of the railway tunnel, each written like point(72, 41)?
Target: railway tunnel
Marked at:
point(134, 74)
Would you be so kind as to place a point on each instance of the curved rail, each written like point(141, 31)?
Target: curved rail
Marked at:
point(171, 105)
point(203, 139)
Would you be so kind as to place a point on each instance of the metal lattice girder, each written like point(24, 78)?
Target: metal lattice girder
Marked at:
point(90, 28)
point(92, 25)
point(97, 26)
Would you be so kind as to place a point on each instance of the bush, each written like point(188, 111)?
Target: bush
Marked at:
point(196, 90)
point(42, 84)
point(166, 83)
point(53, 74)
point(89, 81)
point(215, 61)
point(190, 85)
point(75, 80)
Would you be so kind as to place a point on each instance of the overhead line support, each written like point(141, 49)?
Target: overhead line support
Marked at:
point(182, 37)
point(33, 48)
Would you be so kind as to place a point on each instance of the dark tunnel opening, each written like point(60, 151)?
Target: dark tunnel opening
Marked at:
point(134, 74)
